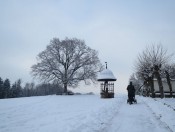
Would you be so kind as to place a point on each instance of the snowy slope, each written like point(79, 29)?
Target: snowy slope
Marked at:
point(86, 113)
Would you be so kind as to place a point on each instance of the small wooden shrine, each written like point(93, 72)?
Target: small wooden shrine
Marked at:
point(106, 87)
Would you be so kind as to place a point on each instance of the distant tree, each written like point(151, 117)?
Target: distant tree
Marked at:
point(16, 90)
point(67, 62)
point(32, 89)
point(19, 88)
point(1, 88)
point(48, 89)
point(41, 89)
point(26, 90)
point(29, 90)
point(13, 91)
point(6, 88)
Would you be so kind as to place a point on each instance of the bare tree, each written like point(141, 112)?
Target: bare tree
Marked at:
point(144, 72)
point(169, 73)
point(67, 62)
point(150, 63)
point(172, 71)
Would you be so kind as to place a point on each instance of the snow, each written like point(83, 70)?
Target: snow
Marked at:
point(163, 109)
point(106, 74)
point(86, 113)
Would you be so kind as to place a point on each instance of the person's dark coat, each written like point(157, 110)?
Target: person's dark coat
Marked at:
point(131, 90)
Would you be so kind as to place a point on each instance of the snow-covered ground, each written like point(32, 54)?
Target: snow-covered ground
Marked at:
point(86, 113)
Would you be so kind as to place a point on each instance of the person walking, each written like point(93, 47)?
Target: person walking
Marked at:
point(131, 92)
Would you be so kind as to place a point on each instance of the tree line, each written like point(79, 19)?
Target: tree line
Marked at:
point(29, 89)
point(154, 63)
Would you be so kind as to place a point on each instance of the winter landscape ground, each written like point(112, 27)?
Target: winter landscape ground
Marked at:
point(86, 113)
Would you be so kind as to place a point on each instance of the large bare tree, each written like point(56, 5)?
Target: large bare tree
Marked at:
point(67, 62)
point(149, 65)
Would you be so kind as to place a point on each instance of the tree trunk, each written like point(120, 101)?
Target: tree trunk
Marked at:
point(159, 80)
point(65, 79)
point(169, 83)
point(65, 88)
point(152, 87)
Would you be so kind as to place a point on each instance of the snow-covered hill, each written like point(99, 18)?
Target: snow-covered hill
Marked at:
point(86, 113)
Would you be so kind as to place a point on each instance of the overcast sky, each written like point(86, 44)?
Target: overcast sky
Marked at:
point(118, 30)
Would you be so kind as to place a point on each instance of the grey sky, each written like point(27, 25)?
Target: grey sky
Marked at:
point(118, 30)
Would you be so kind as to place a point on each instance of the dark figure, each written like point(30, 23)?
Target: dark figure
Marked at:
point(131, 93)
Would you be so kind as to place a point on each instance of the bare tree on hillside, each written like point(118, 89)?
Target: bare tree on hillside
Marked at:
point(68, 62)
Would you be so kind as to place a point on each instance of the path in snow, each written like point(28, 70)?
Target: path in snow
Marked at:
point(136, 118)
